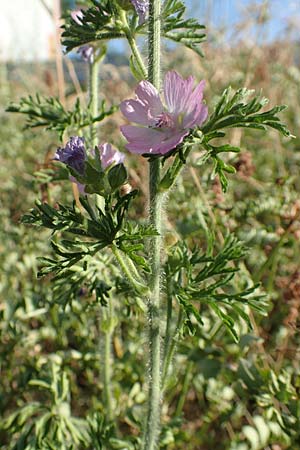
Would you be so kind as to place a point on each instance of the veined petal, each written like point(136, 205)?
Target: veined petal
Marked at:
point(196, 96)
point(148, 95)
point(177, 91)
point(136, 112)
point(196, 117)
point(141, 139)
point(110, 155)
point(195, 112)
point(169, 143)
point(147, 140)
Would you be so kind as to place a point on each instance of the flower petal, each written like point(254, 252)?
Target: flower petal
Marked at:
point(195, 112)
point(141, 139)
point(147, 140)
point(148, 95)
point(136, 112)
point(110, 155)
point(141, 7)
point(170, 143)
point(196, 117)
point(177, 91)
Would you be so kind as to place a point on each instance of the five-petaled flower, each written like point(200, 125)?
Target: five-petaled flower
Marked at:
point(161, 129)
point(141, 8)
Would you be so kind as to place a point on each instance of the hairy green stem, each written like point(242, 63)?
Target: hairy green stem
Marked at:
point(131, 274)
point(134, 48)
point(137, 55)
point(93, 91)
point(156, 199)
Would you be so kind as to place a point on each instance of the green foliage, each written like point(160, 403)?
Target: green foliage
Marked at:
point(51, 114)
point(234, 110)
point(102, 21)
point(97, 24)
point(76, 267)
point(207, 279)
point(184, 31)
point(53, 423)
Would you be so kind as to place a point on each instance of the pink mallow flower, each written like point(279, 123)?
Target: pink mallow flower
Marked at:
point(109, 155)
point(162, 128)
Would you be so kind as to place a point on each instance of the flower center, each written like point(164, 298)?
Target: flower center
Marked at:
point(165, 120)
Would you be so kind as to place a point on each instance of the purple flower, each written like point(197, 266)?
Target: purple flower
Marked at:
point(141, 8)
point(109, 156)
point(73, 154)
point(86, 52)
point(77, 16)
point(163, 128)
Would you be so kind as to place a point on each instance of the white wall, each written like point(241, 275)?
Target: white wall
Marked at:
point(27, 31)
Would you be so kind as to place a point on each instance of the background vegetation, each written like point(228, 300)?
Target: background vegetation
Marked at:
point(241, 395)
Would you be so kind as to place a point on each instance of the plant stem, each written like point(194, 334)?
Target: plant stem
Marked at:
point(169, 315)
point(132, 43)
point(107, 363)
point(155, 217)
point(127, 269)
point(169, 351)
point(136, 54)
point(184, 389)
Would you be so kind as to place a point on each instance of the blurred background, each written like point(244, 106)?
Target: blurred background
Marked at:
point(29, 34)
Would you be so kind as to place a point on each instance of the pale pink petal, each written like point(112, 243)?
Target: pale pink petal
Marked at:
point(141, 139)
point(195, 97)
point(177, 91)
point(147, 140)
point(110, 155)
point(79, 185)
point(136, 112)
point(170, 143)
point(77, 16)
point(196, 117)
point(195, 112)
point(148, 95)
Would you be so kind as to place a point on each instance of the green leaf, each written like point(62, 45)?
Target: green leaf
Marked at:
point(184, 31)
point(117, 176)
point(51, 114)
point(253, 437)
point(263, 430)
point(99, 23)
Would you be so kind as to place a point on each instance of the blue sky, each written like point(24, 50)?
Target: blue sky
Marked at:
point(227, 13)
